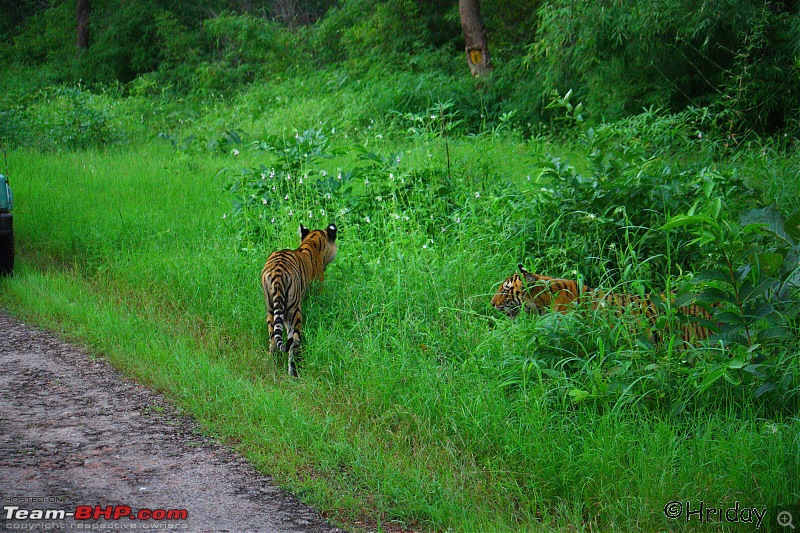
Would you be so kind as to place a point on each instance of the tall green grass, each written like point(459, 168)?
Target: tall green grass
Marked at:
point(417, 403)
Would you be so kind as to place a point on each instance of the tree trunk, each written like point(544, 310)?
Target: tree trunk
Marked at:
point(83, 24)
point(474, 37)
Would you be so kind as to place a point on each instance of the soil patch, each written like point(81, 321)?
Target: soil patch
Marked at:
point(75, 436)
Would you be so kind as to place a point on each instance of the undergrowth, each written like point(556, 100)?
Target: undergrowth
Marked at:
point(417, 401)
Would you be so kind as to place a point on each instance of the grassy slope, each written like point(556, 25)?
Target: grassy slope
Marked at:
point(403, 411)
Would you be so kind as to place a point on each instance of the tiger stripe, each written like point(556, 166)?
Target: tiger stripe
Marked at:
point(538, 294)
point(285, 279)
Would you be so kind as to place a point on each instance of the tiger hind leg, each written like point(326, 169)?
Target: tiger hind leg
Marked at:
point(293, 340)
point(273, 347)
point(266, 286)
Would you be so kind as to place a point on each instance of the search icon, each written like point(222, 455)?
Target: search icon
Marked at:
point(785, 519)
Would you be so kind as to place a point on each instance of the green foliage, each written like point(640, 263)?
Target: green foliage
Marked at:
point(611, 209)
point(627, 55)
point(364, 33)
point(752, 280)
point(734, 58)
point(246, 48)
point(123, 43)
point(419, 403)
point(47, 37)
point(262, 194)
point(62, 118)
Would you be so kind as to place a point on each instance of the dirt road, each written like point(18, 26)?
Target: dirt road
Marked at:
point(77, 437)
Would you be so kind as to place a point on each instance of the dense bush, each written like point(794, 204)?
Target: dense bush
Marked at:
point(623, 56)
point(736, 58)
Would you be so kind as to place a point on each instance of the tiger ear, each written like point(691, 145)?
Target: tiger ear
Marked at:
point(527, 276)
point(303, 232)
point(331, 231)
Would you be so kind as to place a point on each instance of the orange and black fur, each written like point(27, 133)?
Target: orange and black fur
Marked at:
point(537, 293)
point(285, 279)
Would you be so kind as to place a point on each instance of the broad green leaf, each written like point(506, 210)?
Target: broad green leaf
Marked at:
point(775, 332)
point(737, 363)
point(792, 227)
point(758, 311)
point(765, 388)
point(733, 379)
point(579, 395)
point(711, 378)
point(689, 220)
point(755, 370)
point(753, 228)
point(714, 274)
point(770, 262)
point(748, 292)
point(714, 295)
point(684, 298)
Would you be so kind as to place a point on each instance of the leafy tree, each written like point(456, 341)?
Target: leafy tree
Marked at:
point(622, 56)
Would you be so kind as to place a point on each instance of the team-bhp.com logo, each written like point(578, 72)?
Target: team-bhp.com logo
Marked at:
point(96, 512)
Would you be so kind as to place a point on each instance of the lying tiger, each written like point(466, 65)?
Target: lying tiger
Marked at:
point(538, 294)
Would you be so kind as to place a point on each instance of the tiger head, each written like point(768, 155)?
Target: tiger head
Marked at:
point(322, 242)
point(517, 291)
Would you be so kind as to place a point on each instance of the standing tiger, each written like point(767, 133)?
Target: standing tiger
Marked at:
point(537, 293)
point(285, 279)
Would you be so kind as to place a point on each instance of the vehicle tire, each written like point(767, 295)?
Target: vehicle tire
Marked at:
point(6, 253)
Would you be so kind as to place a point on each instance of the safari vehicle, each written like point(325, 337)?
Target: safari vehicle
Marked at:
point(6, 228)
